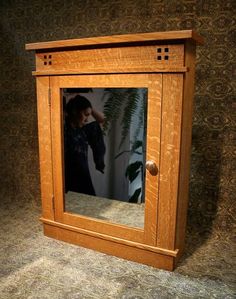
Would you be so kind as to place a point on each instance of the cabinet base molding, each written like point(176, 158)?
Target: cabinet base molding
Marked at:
point(141, 253)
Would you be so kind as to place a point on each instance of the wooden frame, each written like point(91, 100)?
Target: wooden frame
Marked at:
point(154, 84)
point(162, 62)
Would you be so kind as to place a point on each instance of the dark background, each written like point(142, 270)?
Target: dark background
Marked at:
point(212, 185)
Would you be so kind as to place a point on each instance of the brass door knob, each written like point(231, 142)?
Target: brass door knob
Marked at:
point(151, 167)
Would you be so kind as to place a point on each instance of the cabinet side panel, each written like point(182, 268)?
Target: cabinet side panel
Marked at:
point(44, 136)
point(186, 137)
point(170, 156)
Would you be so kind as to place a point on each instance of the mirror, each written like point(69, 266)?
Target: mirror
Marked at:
point(105, 152)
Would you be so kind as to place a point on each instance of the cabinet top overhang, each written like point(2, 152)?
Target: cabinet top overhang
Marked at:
point(125, 39)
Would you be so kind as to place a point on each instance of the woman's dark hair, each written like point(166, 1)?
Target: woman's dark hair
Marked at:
point(75, 105)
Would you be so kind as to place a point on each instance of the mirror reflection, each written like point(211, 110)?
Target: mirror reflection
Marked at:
point(104, 153)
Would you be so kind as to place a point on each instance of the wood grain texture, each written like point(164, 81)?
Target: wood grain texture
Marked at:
point(154, 85)
point(131, 61)
point(140, 255)
point(152, 154)
point(186, 136)
point(104, 227)
point(87, 232)
point(152, 70)
point(57, 149)
point(117, 39)
point(170, 159)
point(45, 156)
point(113, 60)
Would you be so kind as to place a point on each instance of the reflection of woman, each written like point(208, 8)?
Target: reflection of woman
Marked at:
point(78, 134)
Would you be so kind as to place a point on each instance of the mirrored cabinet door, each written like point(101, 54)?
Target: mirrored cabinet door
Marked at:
point(106, 151)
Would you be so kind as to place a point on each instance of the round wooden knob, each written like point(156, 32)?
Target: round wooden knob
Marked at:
point(152, 168)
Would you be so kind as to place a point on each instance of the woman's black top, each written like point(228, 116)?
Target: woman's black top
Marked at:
point(76, 141)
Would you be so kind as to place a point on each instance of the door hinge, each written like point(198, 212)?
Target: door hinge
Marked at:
point(49, 96)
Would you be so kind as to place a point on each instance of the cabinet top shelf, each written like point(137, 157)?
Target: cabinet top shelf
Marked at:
point(128, 39)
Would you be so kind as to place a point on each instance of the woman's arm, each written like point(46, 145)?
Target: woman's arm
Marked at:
point(98, 116)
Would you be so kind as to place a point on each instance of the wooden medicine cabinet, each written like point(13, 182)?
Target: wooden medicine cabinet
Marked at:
point(115, 169)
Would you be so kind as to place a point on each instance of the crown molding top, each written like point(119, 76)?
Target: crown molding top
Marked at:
point(118, 40)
